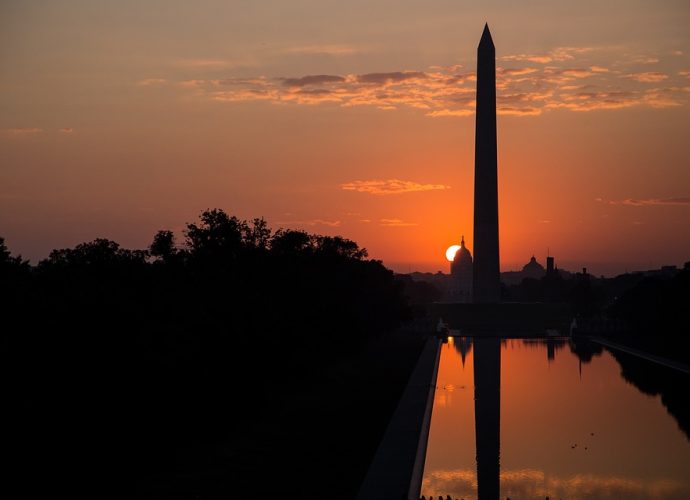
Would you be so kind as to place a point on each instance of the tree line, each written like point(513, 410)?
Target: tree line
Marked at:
point(172, 346)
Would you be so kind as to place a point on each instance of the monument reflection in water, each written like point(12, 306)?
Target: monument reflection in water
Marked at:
point(487, 412)
point(536, 418)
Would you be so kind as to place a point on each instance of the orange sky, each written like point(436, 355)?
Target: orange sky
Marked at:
point(119, 119)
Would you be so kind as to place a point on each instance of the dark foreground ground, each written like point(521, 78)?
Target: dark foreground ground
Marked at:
point(309, 429)
point(315, 432)
point(243, 362)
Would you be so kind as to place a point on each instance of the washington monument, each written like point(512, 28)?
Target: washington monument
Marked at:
point(486, 280)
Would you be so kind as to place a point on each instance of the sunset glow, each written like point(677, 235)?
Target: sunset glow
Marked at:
point(116, 125)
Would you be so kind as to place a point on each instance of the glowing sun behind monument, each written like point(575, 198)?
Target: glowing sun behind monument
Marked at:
point(450, 253)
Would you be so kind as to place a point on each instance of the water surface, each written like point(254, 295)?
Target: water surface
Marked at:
point(566, 422)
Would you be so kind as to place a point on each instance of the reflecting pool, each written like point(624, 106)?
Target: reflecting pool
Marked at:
point(566, 420)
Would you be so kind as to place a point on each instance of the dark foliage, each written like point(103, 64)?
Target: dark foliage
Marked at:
point(152, 358)
point(656, 310)
point(657, 303)
point(419, 294)
point(586, 294)
point(14, 275)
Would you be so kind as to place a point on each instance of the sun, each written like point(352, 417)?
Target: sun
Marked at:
point(450, 253)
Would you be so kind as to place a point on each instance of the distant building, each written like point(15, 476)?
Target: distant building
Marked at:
point(461, 270)
point(550, 268)
point(533, 269)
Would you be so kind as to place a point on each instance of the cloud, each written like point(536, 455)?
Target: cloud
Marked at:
point(645, 60)
point(453, 68)
point(451, 112)
point(312, 80)
point(646, 202)
point(21, 132)
point(152, 82)
point(396, 223)
point(390, 186)
point(239, 81)
point(310, 96)
point(572, 80)
point(577, 73)
point(590, 101)
point(569, 73)
point(322, 222)
point(648, 77)
point(394, 77)
point(570, 53)
point(387, 91)
point(661, 98)
point(542, 59)
point(508, 111)
point(556, 55)
point(515, 71)
point(194, 84)
point(524, 97)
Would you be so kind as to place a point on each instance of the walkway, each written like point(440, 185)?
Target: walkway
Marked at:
point(397, 468)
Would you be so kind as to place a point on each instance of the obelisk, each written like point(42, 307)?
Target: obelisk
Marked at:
point(487, 287)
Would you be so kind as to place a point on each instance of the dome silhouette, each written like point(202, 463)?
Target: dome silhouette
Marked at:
point(461, 269)
point(533, 269)
point(462, 260)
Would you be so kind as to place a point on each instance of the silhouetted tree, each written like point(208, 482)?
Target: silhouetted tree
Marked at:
point(657, 307)
point(98, 253)
point(163, 246)
point(290, 242)
point(6, 258)
point(419, 295)
point(218, 236)
point(14, 281)
point(338, 246)
point(11, 267)
point(586, 296)
point(258, 235)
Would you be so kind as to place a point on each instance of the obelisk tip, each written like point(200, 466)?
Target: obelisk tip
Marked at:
point(486, 39)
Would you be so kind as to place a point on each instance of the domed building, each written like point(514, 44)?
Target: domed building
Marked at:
point(460, 287)
point(533, 269)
